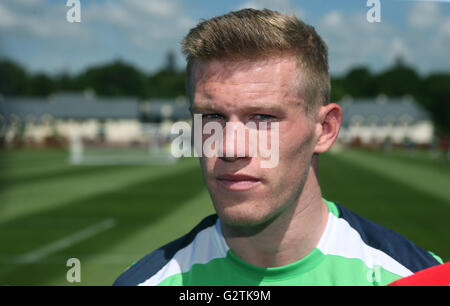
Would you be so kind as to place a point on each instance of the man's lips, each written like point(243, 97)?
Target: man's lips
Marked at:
point(238, 182)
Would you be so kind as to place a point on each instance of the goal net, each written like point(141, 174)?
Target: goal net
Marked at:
point(152, 148)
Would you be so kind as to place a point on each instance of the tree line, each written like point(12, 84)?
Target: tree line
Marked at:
point(119, 78)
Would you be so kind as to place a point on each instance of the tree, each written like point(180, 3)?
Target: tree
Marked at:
point(164, 84)
point(398, 81)
point(64, 82)
point(338, 90)
point(116, 79)
point(41, 85)
point(13, 79)
point(435, 96)
point(171, 64)
point(359, 82)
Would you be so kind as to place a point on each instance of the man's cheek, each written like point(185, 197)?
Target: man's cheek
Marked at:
point(269, 146)
point(205, 167)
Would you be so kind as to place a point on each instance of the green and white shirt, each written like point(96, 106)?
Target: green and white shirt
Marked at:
point(351, 251)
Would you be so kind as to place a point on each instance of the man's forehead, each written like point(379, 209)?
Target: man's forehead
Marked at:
point(260, 82)
point(240, 70)
point(209, 105)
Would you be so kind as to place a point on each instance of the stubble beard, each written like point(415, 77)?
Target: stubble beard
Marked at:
point(250, 222)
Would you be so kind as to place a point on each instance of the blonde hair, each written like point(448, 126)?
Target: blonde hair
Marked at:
point(251, 34)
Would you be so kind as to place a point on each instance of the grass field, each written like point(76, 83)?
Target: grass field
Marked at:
point(111, 216)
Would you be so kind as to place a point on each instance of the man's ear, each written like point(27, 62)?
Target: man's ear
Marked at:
point(328, 124)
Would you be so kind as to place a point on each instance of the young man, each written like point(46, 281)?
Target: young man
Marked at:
point(272, 225)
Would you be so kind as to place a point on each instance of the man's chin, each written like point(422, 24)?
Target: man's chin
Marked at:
point(243, 218)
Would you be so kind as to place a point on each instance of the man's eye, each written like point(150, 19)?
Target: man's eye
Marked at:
point(212, 116)
point(263, 117)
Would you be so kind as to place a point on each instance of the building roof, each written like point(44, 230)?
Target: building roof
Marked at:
point(382, 111)
point(82, 106)
point(158, 109)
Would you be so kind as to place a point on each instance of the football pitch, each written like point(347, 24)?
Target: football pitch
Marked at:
point(110, 216)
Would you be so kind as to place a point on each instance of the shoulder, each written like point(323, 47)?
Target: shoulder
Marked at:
point(152, 263)
point(385, 244)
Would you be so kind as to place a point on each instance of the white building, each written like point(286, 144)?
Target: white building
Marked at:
point(385, 120)
point(127, 120)
point(68, 115)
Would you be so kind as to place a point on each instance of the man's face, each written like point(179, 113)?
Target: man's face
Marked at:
point(243, 192)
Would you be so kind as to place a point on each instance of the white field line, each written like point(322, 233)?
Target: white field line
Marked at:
point(419, 177)
point(65, 242)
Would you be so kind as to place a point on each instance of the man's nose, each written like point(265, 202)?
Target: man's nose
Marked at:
point(235, 141)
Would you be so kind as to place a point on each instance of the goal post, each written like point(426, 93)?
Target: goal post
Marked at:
point(154, 148)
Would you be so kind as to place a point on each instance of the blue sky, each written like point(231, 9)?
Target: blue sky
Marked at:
point(36, 34)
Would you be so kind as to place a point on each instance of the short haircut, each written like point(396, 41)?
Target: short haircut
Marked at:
point(251, 34)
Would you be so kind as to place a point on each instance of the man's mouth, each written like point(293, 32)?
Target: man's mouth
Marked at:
point(237, 182)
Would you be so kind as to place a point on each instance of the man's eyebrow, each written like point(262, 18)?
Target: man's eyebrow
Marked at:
point(202, 108)
point(260, 107)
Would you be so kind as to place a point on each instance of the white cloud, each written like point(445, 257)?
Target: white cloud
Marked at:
point(424, 15)
point(7, 19)
point(142, 22)
point(444, 29)
point(282, 6)
point(141, 31)
point(332, 20)
point(430, 35)
point(29, 3)
point(24, 4)
point(134, 30)
point(352, 40)
point(431, 0)
point(159, 8)
point(109, 14)
point(29, 19)
point(398, 48)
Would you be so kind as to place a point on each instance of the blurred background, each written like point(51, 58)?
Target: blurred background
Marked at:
point(86, 110)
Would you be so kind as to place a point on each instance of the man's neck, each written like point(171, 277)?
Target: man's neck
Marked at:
point(290, 236)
